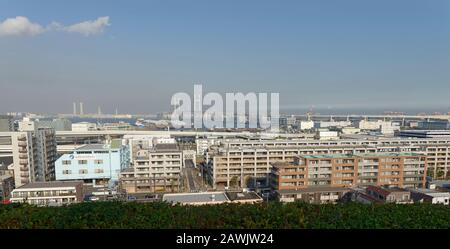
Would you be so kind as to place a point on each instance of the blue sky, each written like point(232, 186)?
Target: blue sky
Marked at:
point(337, 54)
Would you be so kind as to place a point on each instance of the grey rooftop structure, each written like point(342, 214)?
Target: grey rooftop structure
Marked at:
point(54, 184)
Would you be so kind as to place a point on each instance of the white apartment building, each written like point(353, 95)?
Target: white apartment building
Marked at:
point(137, 143)
point(385, 127)
point(155, 170)
point(306, 125)
point(34, 155)
point(48, 193)
point(203, 144)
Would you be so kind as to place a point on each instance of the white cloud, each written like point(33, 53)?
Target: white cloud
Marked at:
point(88, 28)
point(20, 26)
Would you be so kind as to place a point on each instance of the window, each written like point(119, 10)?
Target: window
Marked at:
point(67, 172)
point(82, 161)
point(66, 162)
point(98, 161)
point(83, 171)
point(99, 171)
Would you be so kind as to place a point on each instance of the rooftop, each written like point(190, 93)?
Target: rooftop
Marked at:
point(94, 147)
point(431, 192)
point(196, 197)
point(166, 147)
point(386, 191)
point(232, 196)
point(55, 184)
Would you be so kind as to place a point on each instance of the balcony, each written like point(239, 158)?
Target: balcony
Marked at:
point(23, 156)
point(24, 175)
point(23, 162)
point(24, 169)
point(24, 181)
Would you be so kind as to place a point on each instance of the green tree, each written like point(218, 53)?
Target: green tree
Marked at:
point(234, 181)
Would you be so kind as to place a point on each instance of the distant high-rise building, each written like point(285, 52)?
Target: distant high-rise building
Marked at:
point(81, 108)
point(99, 110)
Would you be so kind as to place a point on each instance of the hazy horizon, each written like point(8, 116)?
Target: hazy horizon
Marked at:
point(134, 55)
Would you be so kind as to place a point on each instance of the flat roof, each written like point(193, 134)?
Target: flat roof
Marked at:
point(232, 196)
point(55, 184)
point(94, 147)
point(431, 192)
point(195, 197)
point(166, 147)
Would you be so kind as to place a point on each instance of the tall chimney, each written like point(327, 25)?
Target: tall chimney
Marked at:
point(74, 108)
point(81, 108)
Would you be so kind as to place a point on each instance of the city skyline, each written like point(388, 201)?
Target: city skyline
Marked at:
point(133, 56)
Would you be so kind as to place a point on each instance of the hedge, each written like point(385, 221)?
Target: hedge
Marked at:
point(159, 215)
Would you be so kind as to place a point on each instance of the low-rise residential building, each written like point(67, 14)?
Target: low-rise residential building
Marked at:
point(98, 164)
point(48, 193)
point(389, 195)
point(430, 196)
point(314, 195)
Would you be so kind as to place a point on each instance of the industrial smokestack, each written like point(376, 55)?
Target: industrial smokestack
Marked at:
point(74, 108)
point(81, 108)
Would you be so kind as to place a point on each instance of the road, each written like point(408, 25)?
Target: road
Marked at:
point(190, 178)
point(194, 181)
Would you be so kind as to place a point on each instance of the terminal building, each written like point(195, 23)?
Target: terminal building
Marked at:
point(98, 164)
point(425, 133)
